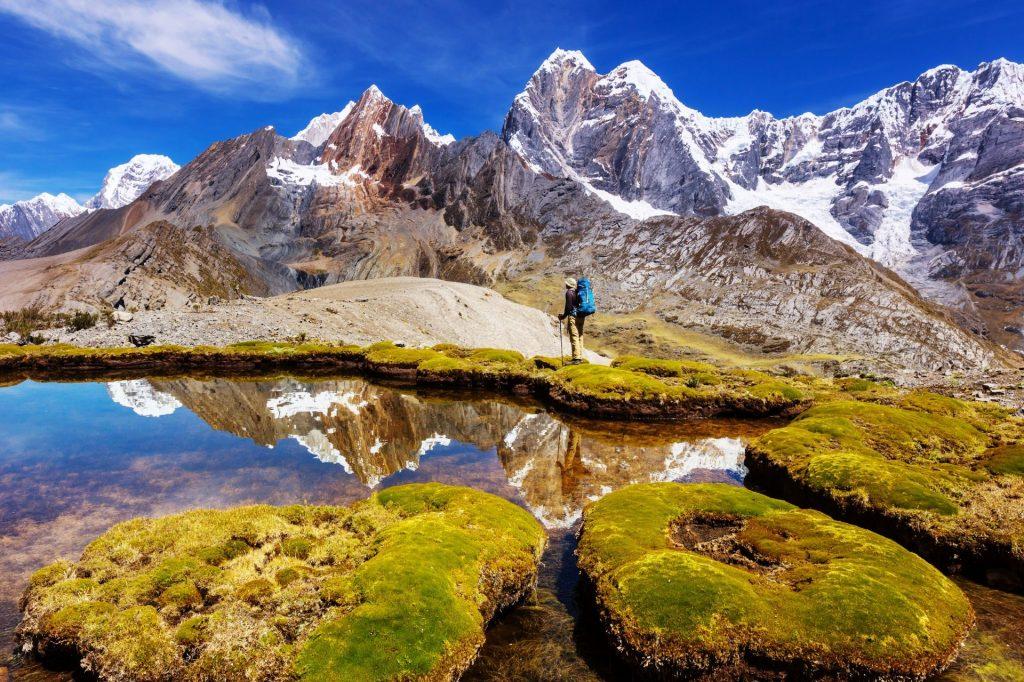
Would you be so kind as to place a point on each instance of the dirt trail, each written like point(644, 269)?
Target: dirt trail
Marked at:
point(410, 310)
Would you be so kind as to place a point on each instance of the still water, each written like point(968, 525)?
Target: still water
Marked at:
point(76, 458)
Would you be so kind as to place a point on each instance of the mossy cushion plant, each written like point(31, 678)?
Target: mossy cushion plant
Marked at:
point(398, 587)
point(717, 580)
point(943, 476)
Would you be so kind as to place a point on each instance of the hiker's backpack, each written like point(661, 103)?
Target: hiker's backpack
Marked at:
point(585, 298)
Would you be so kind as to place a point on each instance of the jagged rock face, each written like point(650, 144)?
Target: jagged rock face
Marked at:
point(28, 219)
point(624, 133)
point(384, 195)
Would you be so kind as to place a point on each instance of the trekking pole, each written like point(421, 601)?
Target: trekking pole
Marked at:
point(561, 349)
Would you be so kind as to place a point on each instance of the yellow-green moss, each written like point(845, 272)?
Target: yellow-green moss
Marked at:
point(934, 465)
point(691, 578)
point(400, 586)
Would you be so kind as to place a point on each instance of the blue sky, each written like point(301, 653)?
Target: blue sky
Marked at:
point(86, 84)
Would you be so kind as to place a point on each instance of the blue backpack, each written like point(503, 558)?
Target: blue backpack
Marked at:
point(585, 298)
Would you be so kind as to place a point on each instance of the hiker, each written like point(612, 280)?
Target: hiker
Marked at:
point(579, 302)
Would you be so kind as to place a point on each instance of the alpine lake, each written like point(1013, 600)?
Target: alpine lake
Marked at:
point(76, 458)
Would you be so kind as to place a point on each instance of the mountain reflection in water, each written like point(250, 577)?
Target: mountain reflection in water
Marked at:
point(374, 432)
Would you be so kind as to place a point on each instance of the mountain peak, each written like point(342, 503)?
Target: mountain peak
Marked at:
point(29, 218)
point(636, 75)
point(373, 93)
point(561, 58)
point(125, 183)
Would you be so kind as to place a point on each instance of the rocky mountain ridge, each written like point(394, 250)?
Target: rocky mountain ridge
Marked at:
point(925, 177)
point(385, 195)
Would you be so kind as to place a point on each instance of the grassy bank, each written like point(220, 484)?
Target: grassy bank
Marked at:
point(943, 476)
point(634, 388)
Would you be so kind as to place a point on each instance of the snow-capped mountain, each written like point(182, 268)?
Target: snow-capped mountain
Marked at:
point(320, 127)
point(583, 160)
point(936, 162)
point(124, 184)
point(28, 219)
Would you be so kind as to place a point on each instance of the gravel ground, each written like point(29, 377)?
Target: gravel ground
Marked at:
point(410, 310)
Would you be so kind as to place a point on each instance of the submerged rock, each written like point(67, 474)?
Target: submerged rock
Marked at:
point(400, 586)
point(943, 476)
point(718, 581)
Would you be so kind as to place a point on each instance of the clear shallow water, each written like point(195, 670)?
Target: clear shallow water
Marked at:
point(75, 458)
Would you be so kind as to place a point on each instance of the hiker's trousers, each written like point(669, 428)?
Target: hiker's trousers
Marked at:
point(574, 326)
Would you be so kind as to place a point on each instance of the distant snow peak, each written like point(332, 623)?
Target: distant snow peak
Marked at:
point(373, 93)
point(635, 74)
point(320, 127)
point(125, 183)
point(30, 218)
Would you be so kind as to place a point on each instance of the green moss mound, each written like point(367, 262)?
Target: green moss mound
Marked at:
point(675, 388)
point(943, 476)
point(397, 587)
point(720, 581)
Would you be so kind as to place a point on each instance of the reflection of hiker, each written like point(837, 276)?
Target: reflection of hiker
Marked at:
point(579, 302)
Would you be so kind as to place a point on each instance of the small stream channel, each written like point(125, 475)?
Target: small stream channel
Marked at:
point(76, 458)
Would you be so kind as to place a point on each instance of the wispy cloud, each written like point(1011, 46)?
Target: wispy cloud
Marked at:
point(200, 41)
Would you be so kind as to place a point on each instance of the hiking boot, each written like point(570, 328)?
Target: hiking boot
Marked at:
point(577, 361)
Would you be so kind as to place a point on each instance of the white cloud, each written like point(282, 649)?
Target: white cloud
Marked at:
point(200, 41)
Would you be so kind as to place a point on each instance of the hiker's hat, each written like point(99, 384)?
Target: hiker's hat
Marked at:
point(570, 282)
